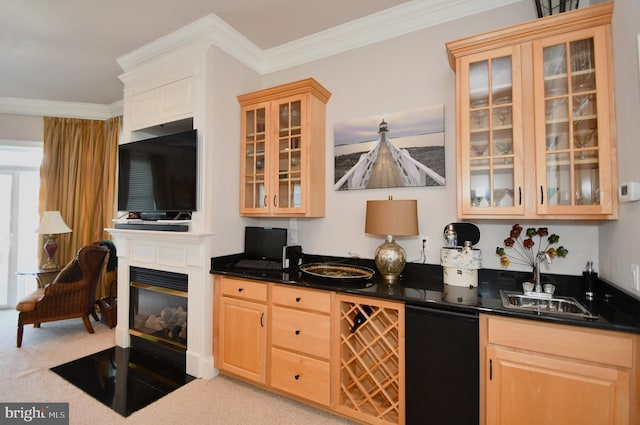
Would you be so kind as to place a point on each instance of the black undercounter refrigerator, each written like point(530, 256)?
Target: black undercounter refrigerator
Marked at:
point(442, 367)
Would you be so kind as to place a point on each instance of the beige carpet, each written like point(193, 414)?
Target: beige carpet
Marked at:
point(25, 377)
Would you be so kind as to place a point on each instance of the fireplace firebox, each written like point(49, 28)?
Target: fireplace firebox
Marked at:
point(158, 313)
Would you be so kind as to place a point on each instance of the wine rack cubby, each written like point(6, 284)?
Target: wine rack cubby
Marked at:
point(368, 380)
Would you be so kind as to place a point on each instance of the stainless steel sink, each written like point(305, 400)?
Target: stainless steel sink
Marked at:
point(543, 304)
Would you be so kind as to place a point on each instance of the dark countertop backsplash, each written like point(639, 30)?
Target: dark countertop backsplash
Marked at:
point(422, 284)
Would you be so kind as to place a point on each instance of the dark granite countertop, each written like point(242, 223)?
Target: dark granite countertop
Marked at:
point(422, 285)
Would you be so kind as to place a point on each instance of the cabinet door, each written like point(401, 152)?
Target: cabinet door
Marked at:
point(574, 143)
point(491, 142)
point(289, 159)
point(524, 388)
point(167, 103)
point(145, 109)
point(254, 163)
point(176, 100)
point(243, 338)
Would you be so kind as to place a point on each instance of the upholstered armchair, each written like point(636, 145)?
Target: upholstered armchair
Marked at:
point(71, 294)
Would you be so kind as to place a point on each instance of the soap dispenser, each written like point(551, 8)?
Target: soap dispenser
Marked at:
point(590, 278)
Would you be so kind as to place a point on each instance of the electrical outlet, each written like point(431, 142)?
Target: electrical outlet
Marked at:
point(635, 277)
point(424, 244)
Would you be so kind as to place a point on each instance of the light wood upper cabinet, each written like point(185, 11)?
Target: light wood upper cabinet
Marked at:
point(544, 374)
point(535, 119)
point(282, 165)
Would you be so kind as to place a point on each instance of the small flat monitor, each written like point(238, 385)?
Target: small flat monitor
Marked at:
point(264, 243)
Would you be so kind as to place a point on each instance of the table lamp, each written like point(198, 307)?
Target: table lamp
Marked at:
point(391, 218)
point(51, 225)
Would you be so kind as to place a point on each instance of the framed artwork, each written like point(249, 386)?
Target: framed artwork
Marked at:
point(400, 149)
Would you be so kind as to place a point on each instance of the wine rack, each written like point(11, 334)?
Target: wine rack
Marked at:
point(369, 376)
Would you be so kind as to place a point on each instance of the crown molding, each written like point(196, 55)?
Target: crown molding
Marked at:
point(384, 25)
point(390, 23)
point(205, 31)
point(40, 107)
point(399, 20)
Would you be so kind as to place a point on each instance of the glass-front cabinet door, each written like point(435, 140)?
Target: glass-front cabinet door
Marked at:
point(573, 148)
point(273, 157)
point(289, 160)
point(254, 162)
point(282, 160)
point(491, 133)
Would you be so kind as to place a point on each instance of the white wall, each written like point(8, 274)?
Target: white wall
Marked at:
point(405, 73)
point(619, 240)
point(21, 128)
point(230, 79)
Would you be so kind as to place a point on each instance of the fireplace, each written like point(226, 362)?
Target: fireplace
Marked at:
point(158, 313)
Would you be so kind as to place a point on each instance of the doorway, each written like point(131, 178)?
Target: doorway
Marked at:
point(19, 188)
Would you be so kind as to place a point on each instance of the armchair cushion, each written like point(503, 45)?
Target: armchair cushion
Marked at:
point(28, 303)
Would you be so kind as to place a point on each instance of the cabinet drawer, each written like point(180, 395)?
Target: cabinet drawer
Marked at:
point(244, 289)
point(604, 347)
point(302, 298)
point(301, 331)
point(299, 375)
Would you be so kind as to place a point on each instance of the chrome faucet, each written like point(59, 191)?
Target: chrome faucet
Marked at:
point(539, 257)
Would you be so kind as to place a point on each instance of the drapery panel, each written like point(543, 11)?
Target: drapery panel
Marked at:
point(78, 178)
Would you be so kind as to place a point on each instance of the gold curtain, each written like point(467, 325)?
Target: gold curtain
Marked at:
point(78, 178)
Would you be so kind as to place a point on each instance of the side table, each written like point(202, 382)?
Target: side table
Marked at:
point(43, 277)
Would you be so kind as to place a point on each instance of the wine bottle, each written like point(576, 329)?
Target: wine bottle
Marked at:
point(361, 317)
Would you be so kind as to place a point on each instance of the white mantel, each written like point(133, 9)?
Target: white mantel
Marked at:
point(180, 252)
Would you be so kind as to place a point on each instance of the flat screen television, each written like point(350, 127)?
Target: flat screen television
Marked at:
point(159, 175)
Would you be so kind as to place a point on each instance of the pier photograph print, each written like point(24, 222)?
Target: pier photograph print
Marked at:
point(399, 149)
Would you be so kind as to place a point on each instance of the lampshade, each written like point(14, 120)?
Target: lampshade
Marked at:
point(553, 7)
point(52, 224)
point(392, 217)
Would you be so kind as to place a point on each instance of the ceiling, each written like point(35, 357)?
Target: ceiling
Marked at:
point(66, 50)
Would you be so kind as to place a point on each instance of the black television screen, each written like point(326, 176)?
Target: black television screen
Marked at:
point(159, 174)
point(264, 243)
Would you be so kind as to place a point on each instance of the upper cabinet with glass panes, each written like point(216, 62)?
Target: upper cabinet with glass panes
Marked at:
point(282, 159)
point(535, 119)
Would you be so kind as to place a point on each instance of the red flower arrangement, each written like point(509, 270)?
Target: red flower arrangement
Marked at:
point(523, 249)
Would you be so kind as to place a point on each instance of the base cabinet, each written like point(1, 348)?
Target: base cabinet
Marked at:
point(298, 342)
point(240, 343)
point(546, 374)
